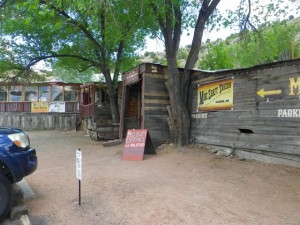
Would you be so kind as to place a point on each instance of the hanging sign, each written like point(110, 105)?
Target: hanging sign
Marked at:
point(131, 76)
point(57, 107)
point(137, 143)
point(39, 107)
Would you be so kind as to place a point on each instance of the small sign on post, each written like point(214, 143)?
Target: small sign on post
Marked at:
point(137, 143)
point(79, 172)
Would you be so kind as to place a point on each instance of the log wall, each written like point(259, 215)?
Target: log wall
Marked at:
point(155, 102)
point(264, 123)
point(144, 102)
point(155, 99)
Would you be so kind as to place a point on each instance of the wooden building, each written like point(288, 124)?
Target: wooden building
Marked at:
point(144, 102)
point(254, 112)
point(95, 112)
point(39, 97)
point(48, 105)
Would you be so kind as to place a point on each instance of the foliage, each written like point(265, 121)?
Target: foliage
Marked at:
point(98, 35)
point(74, 76)
point(272, 43)
point(216, 58)
point(71, 34)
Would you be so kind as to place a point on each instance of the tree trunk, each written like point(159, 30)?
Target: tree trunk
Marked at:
point(179, 117)
point(178, 84)
point(112, 97)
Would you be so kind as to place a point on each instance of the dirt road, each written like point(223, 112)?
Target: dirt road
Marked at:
point(190, 186)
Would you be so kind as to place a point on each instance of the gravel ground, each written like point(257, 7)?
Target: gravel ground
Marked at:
point(187, 186)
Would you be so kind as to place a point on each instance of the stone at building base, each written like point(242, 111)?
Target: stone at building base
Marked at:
point(24, 220)
point(112, 143)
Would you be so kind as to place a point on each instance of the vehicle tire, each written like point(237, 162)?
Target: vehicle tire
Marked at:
point(5, 197)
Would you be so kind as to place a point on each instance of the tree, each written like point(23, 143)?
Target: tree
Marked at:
point(217, 57)
point(101, 35)
point(174, 15)
point(171, 21)
point(273, 42)
point(74, 76)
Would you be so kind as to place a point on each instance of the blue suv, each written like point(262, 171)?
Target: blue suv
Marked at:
point(17, 160)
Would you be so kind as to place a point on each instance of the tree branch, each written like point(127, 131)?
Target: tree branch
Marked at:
point(160, 20)
point(40, 58)
point(118, 62)
point(246, 20)
point(74, 22)
point(204, 14)
point(169, 22)
point(103, 36)
point(177, 27)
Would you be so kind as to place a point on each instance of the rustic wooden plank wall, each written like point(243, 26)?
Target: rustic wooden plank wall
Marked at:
point(102, 115)
point(155, 102)
point(264, 123)
point(40, 121)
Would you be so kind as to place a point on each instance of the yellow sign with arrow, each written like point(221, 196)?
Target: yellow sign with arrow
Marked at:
point(262, 93)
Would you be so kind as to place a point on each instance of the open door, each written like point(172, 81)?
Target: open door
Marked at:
point(131, 102)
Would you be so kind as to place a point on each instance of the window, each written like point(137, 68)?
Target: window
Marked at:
point(70, 94)
point(44, 93)
point(57, 93)
point(101, 97)
point(15, 94)
point(3, 93)
point(31, 93)
point(86, 96)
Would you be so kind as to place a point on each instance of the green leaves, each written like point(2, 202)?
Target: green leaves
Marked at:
point(277, 41)
point(217, 57)
point(92, 31)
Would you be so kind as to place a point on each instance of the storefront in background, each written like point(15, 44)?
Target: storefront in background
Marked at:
point(39, 97)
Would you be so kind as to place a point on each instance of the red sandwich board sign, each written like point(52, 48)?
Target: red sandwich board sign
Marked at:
point(138, 143)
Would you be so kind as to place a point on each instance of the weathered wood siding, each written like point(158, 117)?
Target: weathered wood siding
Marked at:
point(102, 115)
point(40, 121)
point(266, 127)
point(155, 99)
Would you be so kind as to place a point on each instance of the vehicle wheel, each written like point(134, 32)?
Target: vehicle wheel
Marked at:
point(5, 197)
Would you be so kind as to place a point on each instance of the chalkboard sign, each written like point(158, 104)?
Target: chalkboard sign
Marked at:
point(137, 143)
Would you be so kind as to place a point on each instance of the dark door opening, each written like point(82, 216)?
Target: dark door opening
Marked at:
point(132, 107)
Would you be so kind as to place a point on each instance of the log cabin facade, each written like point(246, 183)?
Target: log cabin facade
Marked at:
point(144, 102)
point(253, 112)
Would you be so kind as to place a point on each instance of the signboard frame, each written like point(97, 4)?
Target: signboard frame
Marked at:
point(215, 95)
point(137, 143)
point(39, 107)
point(132, 76)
